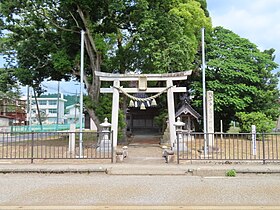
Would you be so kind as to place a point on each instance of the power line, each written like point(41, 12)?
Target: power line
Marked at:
point(62, 90)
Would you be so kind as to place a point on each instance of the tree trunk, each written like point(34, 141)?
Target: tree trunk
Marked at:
point(38, 110)
point(94, 56)
point(124, 129)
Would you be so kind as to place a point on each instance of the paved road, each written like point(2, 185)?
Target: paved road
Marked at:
point(108, 190)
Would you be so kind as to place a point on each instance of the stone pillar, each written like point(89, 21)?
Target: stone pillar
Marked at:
point(210, 118)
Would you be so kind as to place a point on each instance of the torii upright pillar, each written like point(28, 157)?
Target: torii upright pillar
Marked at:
point(115, 112)
point(171, 113)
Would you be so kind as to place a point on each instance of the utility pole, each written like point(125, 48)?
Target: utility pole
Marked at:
point(57, 111)
point(81, 93)
point(204, 93)
point(75, 106)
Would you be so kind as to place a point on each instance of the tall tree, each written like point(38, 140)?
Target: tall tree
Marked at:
point(8, 82)
point(121, 35)
point(241, 77)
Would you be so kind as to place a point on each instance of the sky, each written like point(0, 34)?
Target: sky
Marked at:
point(256, 20)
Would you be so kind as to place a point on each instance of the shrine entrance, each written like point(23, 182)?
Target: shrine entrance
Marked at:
point(141, 121)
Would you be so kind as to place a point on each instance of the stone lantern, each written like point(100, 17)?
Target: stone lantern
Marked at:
point(179, 140)
point(105, 142)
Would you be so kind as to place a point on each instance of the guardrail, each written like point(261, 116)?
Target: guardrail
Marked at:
point(263, 147)
point(55, 145)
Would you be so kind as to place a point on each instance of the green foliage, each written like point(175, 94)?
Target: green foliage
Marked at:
point(231, 173)
point(43, 39)
point(103, 108)
point(8, 82)
point(160, 120)
point(121, 125)
point(241, 77)
point(260, 120)
point(168, 34)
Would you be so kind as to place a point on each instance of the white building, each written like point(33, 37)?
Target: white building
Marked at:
point(5, 123)
point(73, 115)
point(51, 110)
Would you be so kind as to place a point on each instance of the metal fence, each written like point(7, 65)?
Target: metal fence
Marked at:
point(263, 147)
point(41, 128)
point(56, 145)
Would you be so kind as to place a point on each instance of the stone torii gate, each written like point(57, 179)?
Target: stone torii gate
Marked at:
point(142, 87)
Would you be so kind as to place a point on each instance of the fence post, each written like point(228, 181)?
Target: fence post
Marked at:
point(263, 148)
point(177, 140)
point(112, 147)
point(32, 146)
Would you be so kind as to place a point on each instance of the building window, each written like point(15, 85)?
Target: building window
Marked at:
point(43, 102)
point(52, 120)
point(52, 102)
point(53, 111)
point(43, 111)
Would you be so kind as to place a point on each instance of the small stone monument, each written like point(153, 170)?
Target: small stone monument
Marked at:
point(210, 119)
point(278, 124)
point(105, 144)
point(71, 146)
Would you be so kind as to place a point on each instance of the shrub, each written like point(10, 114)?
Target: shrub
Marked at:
point(260, 120)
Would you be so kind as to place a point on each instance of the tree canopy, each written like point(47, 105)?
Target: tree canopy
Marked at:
point(43, 38)
point(241, 77)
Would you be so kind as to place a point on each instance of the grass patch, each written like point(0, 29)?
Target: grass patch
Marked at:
point(231, 173)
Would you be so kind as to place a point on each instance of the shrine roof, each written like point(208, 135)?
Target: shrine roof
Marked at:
point(187, 109)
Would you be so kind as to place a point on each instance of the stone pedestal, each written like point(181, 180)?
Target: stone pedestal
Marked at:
point(105, 146)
